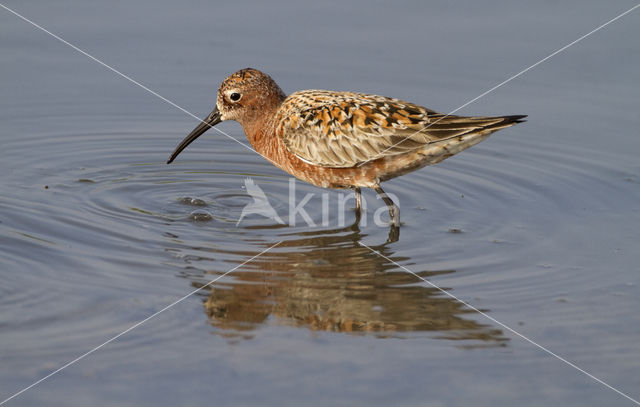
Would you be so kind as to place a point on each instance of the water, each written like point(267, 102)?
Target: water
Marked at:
point(537, 226)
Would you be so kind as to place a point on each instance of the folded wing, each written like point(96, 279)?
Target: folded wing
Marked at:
point(341, 129)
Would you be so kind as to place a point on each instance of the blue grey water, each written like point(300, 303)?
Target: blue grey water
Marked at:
point(538, 226)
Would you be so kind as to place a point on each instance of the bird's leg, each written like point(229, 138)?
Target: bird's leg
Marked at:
point(358, 199)
point(358, 204)
point(394, 212)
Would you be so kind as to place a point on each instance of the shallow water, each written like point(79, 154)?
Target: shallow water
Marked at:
point(537, 227)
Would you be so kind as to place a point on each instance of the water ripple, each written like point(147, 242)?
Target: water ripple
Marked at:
point(102, 200)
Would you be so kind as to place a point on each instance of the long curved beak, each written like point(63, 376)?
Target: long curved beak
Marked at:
point(211, 120)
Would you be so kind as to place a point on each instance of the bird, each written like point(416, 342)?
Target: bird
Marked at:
point(342, 140)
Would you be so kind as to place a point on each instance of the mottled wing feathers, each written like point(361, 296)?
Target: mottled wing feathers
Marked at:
point(342, 129)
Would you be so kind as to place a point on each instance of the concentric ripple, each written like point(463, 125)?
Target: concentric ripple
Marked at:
point(106, 199)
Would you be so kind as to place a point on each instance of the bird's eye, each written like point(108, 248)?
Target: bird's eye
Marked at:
point(235, 97)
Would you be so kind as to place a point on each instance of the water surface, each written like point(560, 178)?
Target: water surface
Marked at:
point(537, 226)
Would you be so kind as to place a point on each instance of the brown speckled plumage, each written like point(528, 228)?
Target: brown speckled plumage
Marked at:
point(342, 139)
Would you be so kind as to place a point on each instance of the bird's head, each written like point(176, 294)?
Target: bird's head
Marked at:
point(243, 96)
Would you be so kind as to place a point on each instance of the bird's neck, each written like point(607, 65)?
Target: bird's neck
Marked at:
point(261, 131)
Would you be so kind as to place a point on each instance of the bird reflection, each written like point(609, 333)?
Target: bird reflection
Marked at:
point(325, 281)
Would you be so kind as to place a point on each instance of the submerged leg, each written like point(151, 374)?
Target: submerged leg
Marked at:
point(394, 212)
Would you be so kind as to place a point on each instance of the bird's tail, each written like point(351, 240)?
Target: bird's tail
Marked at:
point(507, 121)
point(477, 129)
